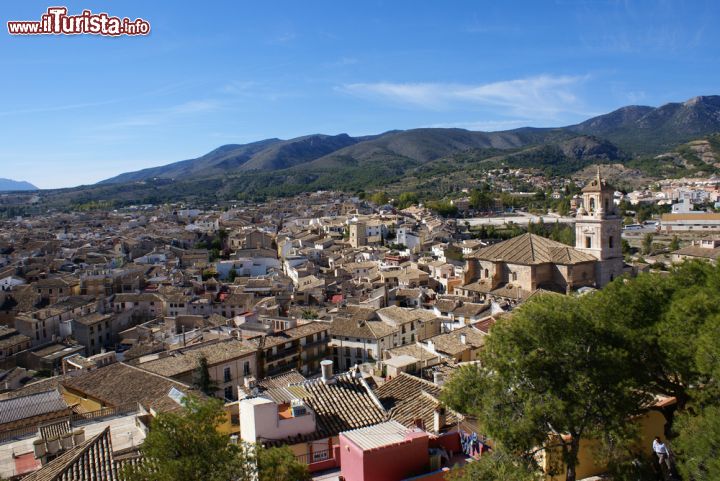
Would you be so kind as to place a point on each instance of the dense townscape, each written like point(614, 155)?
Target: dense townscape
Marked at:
point(326, 324)
point(360, 241)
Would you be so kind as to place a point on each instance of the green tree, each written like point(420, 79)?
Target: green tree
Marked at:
point(186, 446)
point(647, 243)
point(279, 464)
point(309, 314)
point(496, 467)
point(548, 379)
point(626, 249)
point(662, 320)
point(202, 379)
point(443, 207)
point(643, 213)
point(232, 275)
point(707, 356)
point(481, 200)
point(698, 441)
point(698, 444)
point(406, 199)
point(223, 235)
point(208, 273)
point(563, 207)
point(379, 198)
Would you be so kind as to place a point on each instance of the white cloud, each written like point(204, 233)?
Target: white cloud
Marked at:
point(543, 96)
point(239, 87)
point(165, 115)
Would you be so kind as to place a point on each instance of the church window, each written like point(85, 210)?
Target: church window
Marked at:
point(611, 242)
point(606, 206)
point(588, 242)
point(487, 273)
point(592, 204)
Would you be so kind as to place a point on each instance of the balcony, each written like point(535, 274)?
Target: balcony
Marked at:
point(281, 368)
point(315, 343)
point(269, 356)
point(323, 353)
point(316, 456)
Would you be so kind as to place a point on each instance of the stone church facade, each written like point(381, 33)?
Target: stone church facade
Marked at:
point(598, 229)
point(516, 268)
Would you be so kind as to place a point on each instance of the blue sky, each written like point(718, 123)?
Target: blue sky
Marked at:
point(78, 109)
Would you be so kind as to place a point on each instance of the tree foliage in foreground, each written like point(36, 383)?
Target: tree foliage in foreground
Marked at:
point(202, 379)
point(186, 446)
point(496, 467)
point(582, 366)
point(662, 320)
point(547, 373)
point(698, 444)
point(279, 464)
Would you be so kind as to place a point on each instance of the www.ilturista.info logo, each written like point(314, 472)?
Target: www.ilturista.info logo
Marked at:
point(57, 22)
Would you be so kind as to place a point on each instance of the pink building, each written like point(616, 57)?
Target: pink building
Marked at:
point(384, 452)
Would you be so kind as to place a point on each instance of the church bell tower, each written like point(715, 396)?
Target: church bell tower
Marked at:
point(598, 230)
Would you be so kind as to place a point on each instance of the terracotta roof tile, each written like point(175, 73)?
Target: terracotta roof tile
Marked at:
point(531, 249)
point(409, 398)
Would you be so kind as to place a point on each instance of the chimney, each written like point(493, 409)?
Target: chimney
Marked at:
point(66, 441)
point(79, 436)
point(463, 338)
point(438, 419)
point(39, 448)
point(53, 445)
point(249, 382)
point(326, 367)
point(437, 378)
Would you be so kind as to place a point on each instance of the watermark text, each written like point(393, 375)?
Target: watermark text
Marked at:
point(56, 21)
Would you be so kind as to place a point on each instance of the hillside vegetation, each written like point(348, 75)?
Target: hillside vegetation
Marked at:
point(676, 139)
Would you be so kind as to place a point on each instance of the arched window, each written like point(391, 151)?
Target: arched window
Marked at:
point(592, 204)
point(487, 273)
point(610, 242)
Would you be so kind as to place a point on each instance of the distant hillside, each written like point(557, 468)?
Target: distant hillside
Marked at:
point(270, 154)
point(7, 185)
point(565, 157)
point(634, 132)
point(639, 142)
point(700, 157)
point(222, 159)
point(647, 130)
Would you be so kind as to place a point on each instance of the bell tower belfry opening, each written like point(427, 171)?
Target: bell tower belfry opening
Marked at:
point(598, 229)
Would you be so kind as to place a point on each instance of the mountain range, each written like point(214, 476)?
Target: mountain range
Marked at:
point(625, 134)
point(637, 143)
point(9, 185)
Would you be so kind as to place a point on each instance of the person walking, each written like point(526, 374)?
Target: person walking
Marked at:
point(662, 453)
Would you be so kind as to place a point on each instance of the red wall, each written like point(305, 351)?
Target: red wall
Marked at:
point(331, 463)
point(450, 441)
point(388, 463)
